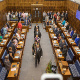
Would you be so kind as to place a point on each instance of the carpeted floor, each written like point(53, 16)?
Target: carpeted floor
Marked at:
point(28, 70)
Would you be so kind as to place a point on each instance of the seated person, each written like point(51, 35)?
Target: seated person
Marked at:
point(15, 40)
point(11, 54)
point(67, 27)
point(18, 35)
point(7, 63)
point(13, 47)
point(58, 32)
point(64, 51)
point(0, 37)
point(37, 39)
point(59, 38)
point(63, 22)
point(74, 35)
point(77, 39)
point(55, 29)
point(71, 32)
point(61, 44)
point(19, 25)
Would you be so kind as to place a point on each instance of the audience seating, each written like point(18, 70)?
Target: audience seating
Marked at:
point(70, 55)
point(75, 69)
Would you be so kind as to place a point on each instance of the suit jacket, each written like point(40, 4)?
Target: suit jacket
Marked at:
point(77, 41)
point(64, 52)
point(13, 48)
point(74, 36)
point(55, 30)
point(35, 28)
point(67, 27)
point(58, 32)
point(7, 64)
point(39, 34)
point(18, 15)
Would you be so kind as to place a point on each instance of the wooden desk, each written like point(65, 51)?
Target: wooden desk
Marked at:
point(26, 27)
point(47, 28)
point(18, 56)
point(57, 53)
point(1, 51)
point(23, 37)
point(53, 36)
point(11, 29)
point(66, 34)
point(55, 45)
point(11, 75)
point(76, 51)
point(64, 70)
point(71, 42)
point(7, 35)
point(4, 43)
point(20, 45)
point(13, 25)
point(24, 31)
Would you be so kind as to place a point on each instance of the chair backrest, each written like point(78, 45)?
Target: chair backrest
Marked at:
point(2, 31)
point(0, 67)
point(8, 45)
point(71, 54)
point(77, 64)
point(3, 56)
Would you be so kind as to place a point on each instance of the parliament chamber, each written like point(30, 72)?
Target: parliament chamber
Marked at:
point(39, 37)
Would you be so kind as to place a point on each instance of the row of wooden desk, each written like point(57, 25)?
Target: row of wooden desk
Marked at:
point(71, 43)
point(62, 65)
point(17, 60)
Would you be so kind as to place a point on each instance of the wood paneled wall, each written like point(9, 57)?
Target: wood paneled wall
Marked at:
point(25, 5)
point(2, 13)
point(71, 8)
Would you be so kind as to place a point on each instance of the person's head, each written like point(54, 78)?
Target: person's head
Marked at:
point(63, 41)
point(67, 23)
point(10, 49)
point(71, 29)
point(13, 42)
point(36, 35)
point(64, 46)
point(20, 21)
point(74, 31)
point(7, 57)
point(62, 19)
point(23, 12)
point(63, 11)
point(37, 45)
point(36, 24)
point(55, 26)
point(66, 11)
point(35, 41)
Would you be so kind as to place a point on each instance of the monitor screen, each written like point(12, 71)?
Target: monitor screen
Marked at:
point(78, 14)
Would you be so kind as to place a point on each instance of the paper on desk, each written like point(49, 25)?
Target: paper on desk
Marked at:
point(21, 42)
point(4, 40)
point(18, 52)
point(55, 37)
point(13, 69)
point(16, 56)
point(78, 52)
point(59, 55)
point(58, 50)
point(72, 42)
point(2, 43)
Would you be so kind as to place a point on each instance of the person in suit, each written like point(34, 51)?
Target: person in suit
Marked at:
point(63, 13)
point(5, 30)
point(7, 63)
point(13, 47)
point(55, 29)
point(71, 32)
point(77, 39)
point(55, 17)
point(11, 54)
point(47, 22)
point(8, 24)
point(61, 44)
point(62, 16)
point(37, 55)
point(37, 33)
point(19, 16)
point(26, 22)
point(66, 16)
point(74, 35)
point(67, 27)
point(58, 32)
point(36, 27)
point(64, 51)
